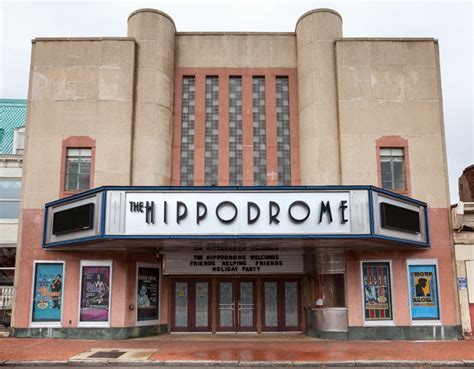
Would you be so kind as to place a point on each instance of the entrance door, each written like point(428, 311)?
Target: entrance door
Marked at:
point(236, 306)
point(281, 305)
point(191, 306)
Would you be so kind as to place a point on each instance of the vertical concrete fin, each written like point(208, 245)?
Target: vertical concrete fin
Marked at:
point(316, 32)
point(154, 32)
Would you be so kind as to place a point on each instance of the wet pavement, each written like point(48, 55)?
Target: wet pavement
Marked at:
point(286, 350)
point(251, 367)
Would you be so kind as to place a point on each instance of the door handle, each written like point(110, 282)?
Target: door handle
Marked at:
point(226, 306)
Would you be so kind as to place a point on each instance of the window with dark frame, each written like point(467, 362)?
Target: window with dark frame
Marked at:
point(392, 163)
point(7, 267)
point(78, 169)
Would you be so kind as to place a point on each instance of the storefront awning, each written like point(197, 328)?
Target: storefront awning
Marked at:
point(116, 217)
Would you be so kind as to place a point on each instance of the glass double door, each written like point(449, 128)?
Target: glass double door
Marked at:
point(236, 300)
point(281, 305)
point(235, 304)
point(192, 299)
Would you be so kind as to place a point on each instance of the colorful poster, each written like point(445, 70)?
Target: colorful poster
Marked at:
point(147, 293)
point(423, 292)
point(48, 291)
point(377, 291)
point(95, 293)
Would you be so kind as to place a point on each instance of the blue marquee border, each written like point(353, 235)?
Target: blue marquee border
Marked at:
point(335, 188)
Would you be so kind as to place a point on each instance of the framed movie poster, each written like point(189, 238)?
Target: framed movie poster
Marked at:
point(148, 292)
point(423, 287)
point(377, 291)
point(95, 292)
point(47, 293)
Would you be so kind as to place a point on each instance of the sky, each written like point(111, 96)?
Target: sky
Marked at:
point(451, 22)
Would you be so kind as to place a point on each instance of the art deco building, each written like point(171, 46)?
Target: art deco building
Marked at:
point(235, 182)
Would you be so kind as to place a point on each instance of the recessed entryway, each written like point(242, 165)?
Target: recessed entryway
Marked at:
point(236, 305)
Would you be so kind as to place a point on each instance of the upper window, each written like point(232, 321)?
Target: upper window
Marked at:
point(19, 141)
point(235, 131)
point(10, 198)
point(212, 131)
point(78, 169)
point(259, 132)
point(187, 132)
point(283, 131)
point(235, 128)
point(392, 161)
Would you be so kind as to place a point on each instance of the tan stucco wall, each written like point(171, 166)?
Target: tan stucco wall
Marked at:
point(392, 87)
point(316, 33)
point(78, 87)
point(154, 33)
point(246, 50)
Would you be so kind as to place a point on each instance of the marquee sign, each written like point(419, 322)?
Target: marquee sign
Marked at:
point(108, 213)
point(224, 262)
point(249, 213)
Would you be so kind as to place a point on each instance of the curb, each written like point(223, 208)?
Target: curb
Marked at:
point(33, 363)
point(242, 364)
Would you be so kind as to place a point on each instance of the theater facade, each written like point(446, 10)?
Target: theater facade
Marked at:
point(235, 183)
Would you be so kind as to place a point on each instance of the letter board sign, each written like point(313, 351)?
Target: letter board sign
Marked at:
point(225, 262)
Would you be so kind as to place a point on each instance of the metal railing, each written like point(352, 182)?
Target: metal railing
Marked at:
point(6, 297)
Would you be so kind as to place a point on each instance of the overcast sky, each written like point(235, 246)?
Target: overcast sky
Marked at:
point(448, 21)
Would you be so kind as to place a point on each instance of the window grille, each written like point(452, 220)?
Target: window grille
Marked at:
point(212, 131)
point(235, 131)
point(392, 161)
point(187, 132)
point(283, 131)
point(259, 132)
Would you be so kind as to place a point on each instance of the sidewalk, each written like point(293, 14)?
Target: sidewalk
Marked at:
point(234, 351)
